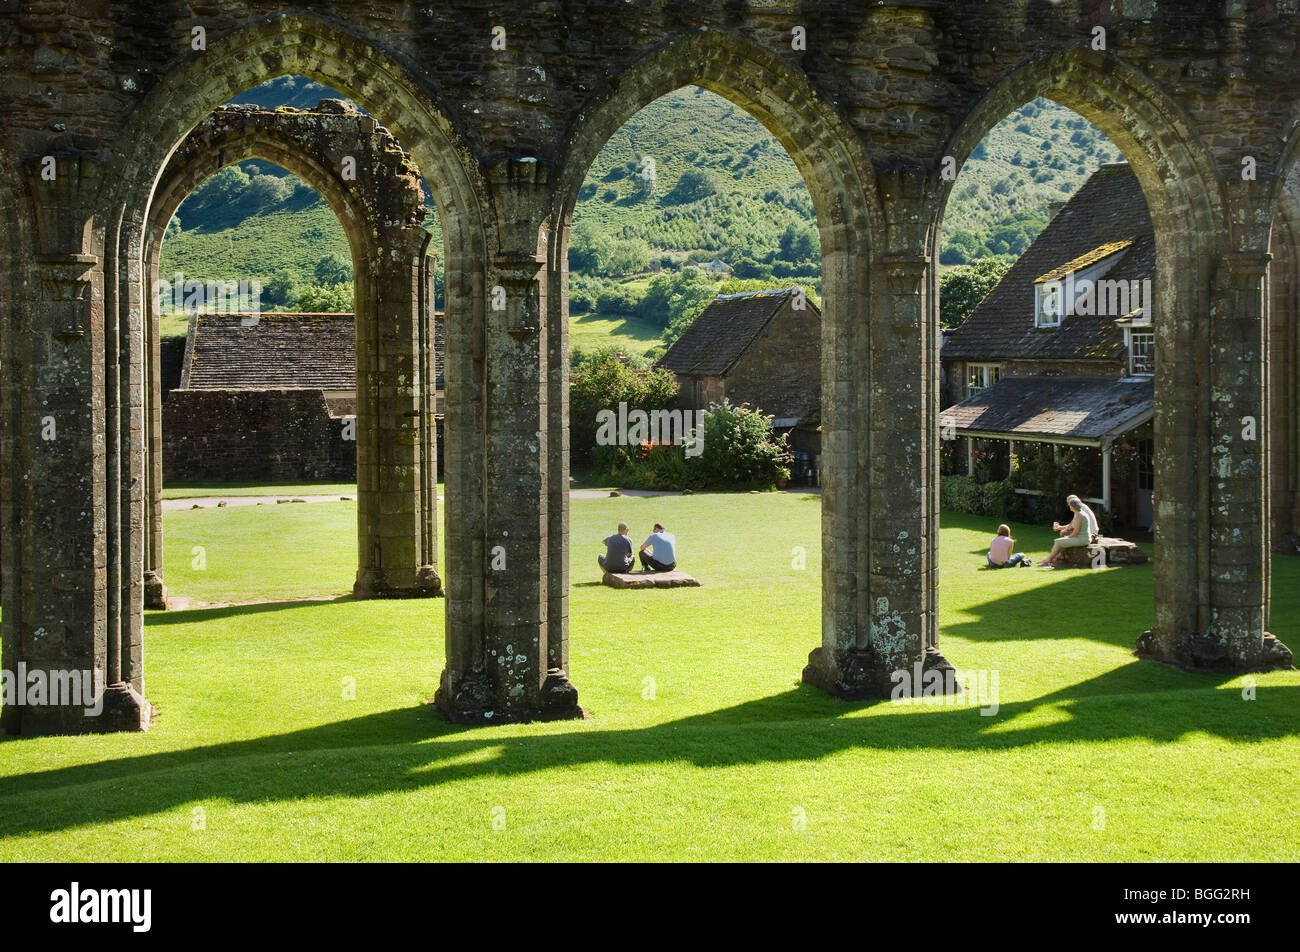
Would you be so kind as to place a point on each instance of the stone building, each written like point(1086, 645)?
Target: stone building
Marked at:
point(1061, 352)
point(272, 399)
point(878, 104)
point(759, 347)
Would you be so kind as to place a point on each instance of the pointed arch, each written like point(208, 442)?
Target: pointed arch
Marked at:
point(841, 181)
point(1189, 211)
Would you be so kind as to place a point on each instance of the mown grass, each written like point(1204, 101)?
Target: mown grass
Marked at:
point(632, 335)
point(701, 743)
point(194, 490)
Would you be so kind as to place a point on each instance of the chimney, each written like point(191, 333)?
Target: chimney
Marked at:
point(1053, 208)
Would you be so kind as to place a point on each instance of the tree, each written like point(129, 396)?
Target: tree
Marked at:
point(670, 297)
point(601, 381)
point(961, 289)
point(332, 270)
point(629, 257)
point(279, 291)
point(268, 191)
point(226, 186)
point(338, 299)
point(799, 243)
point(589, 249)
point(693, 185)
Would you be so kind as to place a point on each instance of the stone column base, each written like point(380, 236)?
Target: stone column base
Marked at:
point(121, 709)
point(155, 592)
point(1203, 654)
point(856, 676)
point(475, 703)
point(124, 710)
point(371, 583)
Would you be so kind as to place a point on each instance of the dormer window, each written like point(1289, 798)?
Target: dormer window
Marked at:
point(1073, 288)
point(1047, 304)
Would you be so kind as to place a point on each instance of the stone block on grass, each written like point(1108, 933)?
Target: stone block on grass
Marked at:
point(673, 579)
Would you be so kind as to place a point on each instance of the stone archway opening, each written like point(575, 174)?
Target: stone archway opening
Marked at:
point(1208, 615)
point(360, 70)
point(842, 187)
point(750, 294)
point(374, 193)
point(1046, 307)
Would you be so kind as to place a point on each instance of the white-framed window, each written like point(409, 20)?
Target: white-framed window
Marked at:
point(1141, 352)
point(1047, 304)
point(981, 377)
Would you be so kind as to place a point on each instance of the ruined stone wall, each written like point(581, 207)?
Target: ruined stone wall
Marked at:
point(254, 436)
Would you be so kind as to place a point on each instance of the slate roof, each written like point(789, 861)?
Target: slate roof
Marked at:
point(1107, 212)
point(280, 350)
point(717, 338)
point(1046, 407)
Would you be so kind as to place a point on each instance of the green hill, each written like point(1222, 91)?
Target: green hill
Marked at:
point(691, 177)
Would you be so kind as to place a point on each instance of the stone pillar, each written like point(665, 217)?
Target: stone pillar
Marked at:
point(893, 466)
point(515, 681)
point(391, 494)
point(428, 419)
point(1284, 389)
point(557, 446)
point(155, 591)
point(1229, 634)
point(58, 640)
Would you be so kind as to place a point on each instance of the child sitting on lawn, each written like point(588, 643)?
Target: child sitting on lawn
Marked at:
point(1000, 551)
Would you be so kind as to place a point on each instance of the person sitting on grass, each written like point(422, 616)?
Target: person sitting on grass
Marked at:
point(618, 552)
point(663, 551)
point(1082, 530)
point(1000, 556)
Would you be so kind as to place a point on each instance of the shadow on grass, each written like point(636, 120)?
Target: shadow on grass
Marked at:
point(413, 748)
point(188, 616)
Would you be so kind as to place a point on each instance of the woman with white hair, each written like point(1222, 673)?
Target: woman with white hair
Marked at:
point(1082, 530)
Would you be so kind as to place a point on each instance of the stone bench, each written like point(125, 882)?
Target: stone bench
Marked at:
point(673, 579)
point(1117, 552)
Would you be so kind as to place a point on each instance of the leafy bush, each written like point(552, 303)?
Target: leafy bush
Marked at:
point(336, 299)
point(997, 500)
point(618, 300)
point(601, 381)
point(740, 451)
point(958, 494)
point(648, 466)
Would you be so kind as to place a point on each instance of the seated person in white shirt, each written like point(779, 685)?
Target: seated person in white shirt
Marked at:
point(663, 551)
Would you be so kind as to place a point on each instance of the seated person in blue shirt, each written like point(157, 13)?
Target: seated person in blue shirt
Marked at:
point(663, 551)
point(618, 552)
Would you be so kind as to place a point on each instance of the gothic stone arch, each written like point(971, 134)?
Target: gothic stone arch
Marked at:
point(1207, 474)
point(1191, 91)
point(374, 190)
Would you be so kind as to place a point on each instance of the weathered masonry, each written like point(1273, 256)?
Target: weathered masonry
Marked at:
point(503, 112)
point(360, 169)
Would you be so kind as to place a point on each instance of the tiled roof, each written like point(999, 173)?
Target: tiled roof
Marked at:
point(722, 332)
point(1084, 260)
point(1029, 407)
point(280, 350)
point(1108, 212)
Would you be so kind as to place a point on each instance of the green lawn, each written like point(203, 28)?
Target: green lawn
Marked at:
point(633, 334)
point(191, 490)
point(701, 742)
